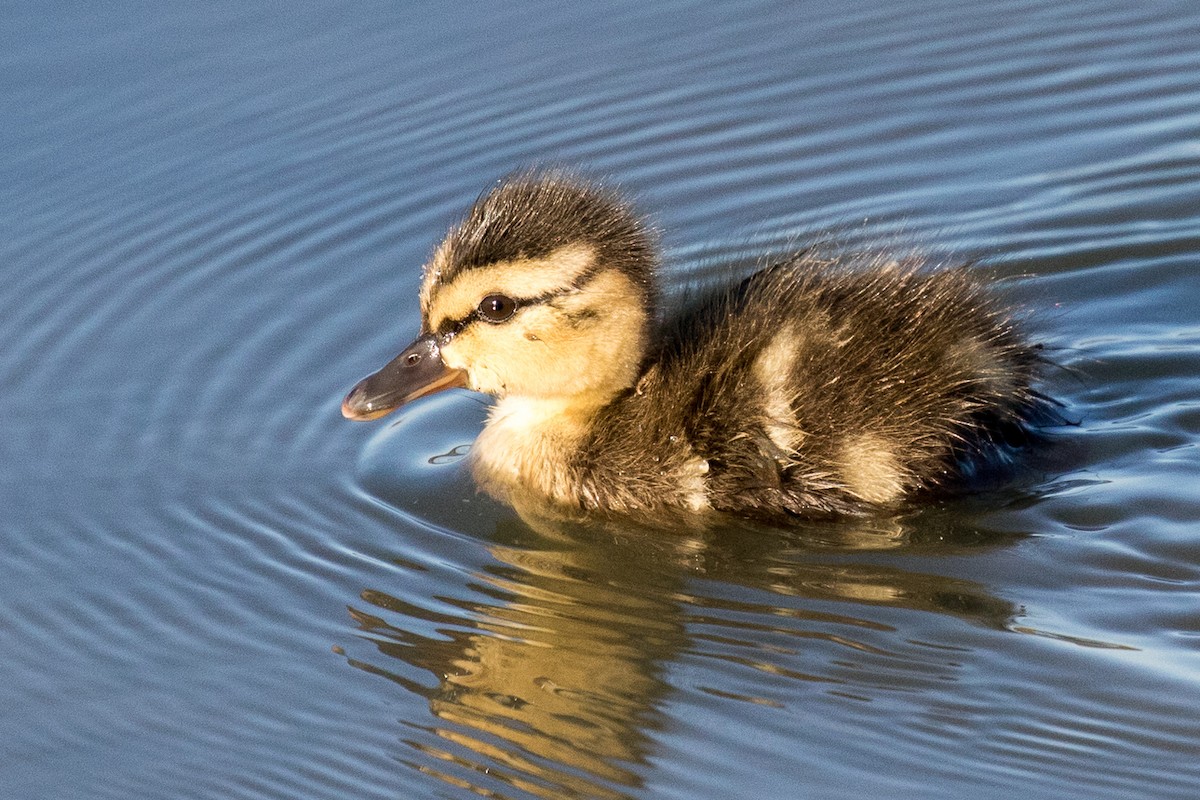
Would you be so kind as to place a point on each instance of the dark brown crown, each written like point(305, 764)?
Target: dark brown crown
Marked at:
point(530, 215)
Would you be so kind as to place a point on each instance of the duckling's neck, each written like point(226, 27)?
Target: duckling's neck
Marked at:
point(528, 441)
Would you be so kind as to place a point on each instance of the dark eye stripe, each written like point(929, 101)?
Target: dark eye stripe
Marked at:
point(452, 327)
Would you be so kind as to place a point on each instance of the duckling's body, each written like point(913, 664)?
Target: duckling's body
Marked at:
point(810, 388)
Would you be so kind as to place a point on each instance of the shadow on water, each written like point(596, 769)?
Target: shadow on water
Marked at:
point(549, 679)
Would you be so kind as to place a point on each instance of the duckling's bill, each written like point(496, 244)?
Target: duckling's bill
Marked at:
point(416, 372)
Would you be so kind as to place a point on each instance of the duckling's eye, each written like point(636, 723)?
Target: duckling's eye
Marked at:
point(497, 307)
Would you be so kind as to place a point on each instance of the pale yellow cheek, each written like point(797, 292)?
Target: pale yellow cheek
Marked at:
point(502, 359)
point(585, 344)
point(608, 345)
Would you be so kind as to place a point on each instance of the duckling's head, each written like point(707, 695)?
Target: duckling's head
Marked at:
point(546, 289)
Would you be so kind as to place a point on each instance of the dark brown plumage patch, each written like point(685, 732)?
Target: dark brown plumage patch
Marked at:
point(884, 359)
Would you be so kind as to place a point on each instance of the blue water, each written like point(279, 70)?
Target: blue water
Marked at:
point(212, 222)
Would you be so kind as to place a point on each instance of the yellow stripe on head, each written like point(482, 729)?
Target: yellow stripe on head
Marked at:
point(557, 272)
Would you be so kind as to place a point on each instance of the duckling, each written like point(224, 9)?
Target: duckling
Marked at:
point(817, 386)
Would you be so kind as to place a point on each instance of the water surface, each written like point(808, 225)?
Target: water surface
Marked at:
point(212, 220)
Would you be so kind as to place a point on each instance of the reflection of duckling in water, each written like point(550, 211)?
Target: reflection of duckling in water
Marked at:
point(809, 388)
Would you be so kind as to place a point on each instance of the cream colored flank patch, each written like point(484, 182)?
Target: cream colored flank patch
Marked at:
point(871, 470)
point(533, 277)
point(693, 485)
point(773, 369)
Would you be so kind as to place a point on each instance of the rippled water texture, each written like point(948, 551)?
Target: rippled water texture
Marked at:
point(212, 218)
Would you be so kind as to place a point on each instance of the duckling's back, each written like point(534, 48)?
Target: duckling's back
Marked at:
point(816, 387)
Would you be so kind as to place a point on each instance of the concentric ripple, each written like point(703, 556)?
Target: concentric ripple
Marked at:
point(212, 220)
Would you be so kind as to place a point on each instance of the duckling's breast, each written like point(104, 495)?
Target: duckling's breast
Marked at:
point(531, 443)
